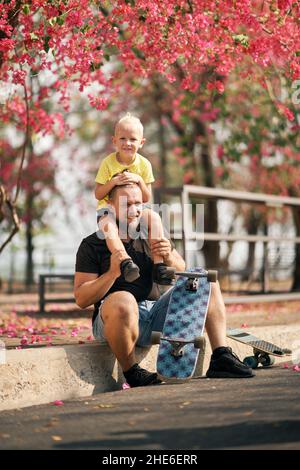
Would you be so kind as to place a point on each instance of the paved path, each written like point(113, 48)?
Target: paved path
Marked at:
point(257, 413)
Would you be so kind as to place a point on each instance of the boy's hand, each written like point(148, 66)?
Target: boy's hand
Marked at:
point(118, 179)
point(127, 178)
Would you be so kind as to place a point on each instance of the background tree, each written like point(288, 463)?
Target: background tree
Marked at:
point(96, 47)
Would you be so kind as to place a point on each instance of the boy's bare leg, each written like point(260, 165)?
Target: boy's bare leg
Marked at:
point(162, 274)
point(110, 231)
point(155, 229)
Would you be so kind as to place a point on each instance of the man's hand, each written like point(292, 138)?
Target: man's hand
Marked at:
point(115, 260)
point(161, 247)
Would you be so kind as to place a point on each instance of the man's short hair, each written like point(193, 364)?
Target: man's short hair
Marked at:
point(112, 193)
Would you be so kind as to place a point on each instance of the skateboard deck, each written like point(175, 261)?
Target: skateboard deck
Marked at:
point(262, 350)
point(185, 320)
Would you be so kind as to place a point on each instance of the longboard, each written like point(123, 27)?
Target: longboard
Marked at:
point(182, 335)
point(262, 350)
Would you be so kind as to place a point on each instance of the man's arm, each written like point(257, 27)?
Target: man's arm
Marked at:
point(171, 257)
point(89, 288)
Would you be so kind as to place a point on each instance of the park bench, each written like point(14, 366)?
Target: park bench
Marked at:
point(43, 300)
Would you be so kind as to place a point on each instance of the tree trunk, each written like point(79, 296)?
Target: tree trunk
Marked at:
point(211, 249)
point(162, 150)
point(158, 98)
point(29, 269)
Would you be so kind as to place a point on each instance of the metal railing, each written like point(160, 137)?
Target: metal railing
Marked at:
point(269, 201)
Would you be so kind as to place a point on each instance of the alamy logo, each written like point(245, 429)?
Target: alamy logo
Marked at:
point(132, 223)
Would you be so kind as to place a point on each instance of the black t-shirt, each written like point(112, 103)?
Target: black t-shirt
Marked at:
point(93, 256)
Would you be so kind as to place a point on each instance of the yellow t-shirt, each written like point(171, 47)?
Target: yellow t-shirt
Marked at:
point(110, 166)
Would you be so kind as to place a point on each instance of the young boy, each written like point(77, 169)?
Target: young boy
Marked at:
point(126, 166)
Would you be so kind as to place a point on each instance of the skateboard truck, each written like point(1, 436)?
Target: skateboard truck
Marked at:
point(177, 343)
point(211, 274)
point(193, 278)
point(259, 358)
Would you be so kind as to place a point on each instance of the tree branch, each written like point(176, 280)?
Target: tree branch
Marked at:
point(5, 201)
point(23, 147)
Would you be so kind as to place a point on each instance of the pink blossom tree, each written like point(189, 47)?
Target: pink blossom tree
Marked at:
point(97, 46)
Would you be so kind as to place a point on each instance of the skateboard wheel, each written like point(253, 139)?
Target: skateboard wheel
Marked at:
point(199, 342)
point(251, 361)
point(155, 337)
point(267, 361)
point(212, 275)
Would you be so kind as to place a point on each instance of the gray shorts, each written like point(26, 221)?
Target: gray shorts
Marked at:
point(152, 314)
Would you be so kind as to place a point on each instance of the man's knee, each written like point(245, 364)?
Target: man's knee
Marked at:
point(120, 307)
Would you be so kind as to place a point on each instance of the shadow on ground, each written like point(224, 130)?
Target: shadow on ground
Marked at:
point(237, 435)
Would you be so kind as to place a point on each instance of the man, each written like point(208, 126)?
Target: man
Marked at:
point(123, 316)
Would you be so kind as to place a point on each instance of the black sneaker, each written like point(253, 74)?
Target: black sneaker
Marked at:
point(138, 377)
point(163, 274)
point(225, 364)
point(129, 270)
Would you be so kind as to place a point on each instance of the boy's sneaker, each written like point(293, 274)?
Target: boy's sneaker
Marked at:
point(225, 364)
point(129, 270)
point(163, 274)
point(138, 377)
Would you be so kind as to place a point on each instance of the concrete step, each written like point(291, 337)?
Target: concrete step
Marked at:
point(39, 375)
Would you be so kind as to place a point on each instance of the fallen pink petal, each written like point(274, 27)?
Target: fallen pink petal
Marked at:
point(58, 403)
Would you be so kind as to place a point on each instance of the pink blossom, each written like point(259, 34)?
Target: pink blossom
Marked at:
point(19, 76)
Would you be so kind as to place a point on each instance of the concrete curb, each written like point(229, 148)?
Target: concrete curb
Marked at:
point(42, 375)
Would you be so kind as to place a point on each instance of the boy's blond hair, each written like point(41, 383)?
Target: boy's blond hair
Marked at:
point(129, 118)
